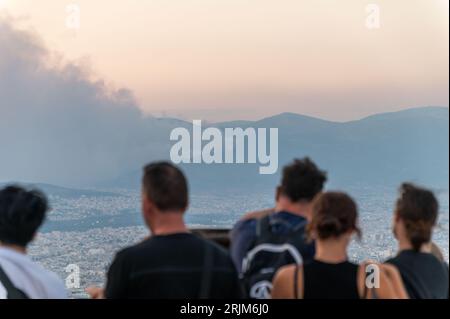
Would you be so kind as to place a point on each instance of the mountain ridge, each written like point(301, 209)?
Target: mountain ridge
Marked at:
point(411, 144)
point(406, 111)
point(391, 147)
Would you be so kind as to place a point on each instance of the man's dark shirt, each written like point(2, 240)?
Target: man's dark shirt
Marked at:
point(173, 267)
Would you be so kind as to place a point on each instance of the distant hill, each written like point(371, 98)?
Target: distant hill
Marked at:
point(383, 149)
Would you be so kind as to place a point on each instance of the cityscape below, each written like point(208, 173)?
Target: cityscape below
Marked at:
point(87, 228)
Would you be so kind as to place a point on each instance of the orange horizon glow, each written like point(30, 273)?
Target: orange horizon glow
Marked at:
point(247, 59)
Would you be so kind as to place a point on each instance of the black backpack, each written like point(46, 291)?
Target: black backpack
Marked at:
point(11, 291)
point(270, 252)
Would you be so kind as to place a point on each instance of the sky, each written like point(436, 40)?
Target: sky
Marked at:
point(246, 59)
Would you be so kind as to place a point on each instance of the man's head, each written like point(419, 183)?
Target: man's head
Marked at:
point(415, 215)
point(22, 212)
point(302, 180)
point(164, 190)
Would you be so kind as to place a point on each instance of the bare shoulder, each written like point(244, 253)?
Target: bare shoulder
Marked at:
point(389, 281)
point(286, 271)
point(365, 268)
point(391, 271)
point(283, 283)
point(390, 268)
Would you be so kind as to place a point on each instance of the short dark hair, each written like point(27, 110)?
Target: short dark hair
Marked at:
point(418, 208)
point(333, 214)
point(166, 186)
point(22, 212)
point(302, 180)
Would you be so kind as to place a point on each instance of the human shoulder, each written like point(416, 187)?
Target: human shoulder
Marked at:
point(283, 282)
point(250, 220)
point(286, 272)
point(396, 260)
point(254, 215)
point(221, 255)
point(129, 252)
point(244, 227)
point(54, 285)
point(390, 281)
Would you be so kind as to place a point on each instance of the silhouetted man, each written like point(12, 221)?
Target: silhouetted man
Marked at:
point(172, 263)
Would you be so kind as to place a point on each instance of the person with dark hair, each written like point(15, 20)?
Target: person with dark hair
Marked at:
point(415, 216)
point(330, 275)
point(172, 263)
point(22, 212)
point(264, 241)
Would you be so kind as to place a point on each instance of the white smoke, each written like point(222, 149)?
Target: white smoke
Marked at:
point(58, 126)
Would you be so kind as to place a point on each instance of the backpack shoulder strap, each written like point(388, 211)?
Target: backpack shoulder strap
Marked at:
point(262, 227)
point(12, 291)
point(263, 231)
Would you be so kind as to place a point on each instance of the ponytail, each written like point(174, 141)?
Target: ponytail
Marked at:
point(419, 233)
point(418, 208)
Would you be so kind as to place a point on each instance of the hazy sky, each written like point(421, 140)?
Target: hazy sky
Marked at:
point(230, 59)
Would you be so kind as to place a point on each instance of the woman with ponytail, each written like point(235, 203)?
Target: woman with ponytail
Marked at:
point(331, 275)
point(415, 216)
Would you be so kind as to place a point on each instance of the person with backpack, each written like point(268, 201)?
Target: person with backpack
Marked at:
point(424, 274)
point(172, 263)
point(330, 275)
point(263, 242)
point(21, 214)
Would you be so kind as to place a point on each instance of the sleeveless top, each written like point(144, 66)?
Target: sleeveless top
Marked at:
point(328, 281)
point(424, 276)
